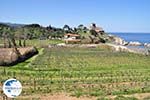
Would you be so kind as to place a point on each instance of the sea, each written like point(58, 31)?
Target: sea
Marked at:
point(140, 37)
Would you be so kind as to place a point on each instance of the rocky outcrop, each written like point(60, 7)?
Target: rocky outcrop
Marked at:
point(8, 56)
point(147, 45)
point(61, 44)
point(27, 52)
point(117, 40)
point(135, 43)
point(120, 48)
point(107, 46)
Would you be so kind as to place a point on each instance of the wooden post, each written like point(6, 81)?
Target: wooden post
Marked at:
point(34, 84)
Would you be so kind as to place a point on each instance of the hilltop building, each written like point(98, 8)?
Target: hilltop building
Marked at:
point(97, 29)
point(72, 38)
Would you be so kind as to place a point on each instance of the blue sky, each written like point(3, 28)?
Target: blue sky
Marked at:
point(112, 15)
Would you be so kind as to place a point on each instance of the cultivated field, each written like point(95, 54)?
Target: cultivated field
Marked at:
point(82, 72)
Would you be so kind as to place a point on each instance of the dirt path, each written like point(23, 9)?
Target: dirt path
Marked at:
point(63, 96)
point(60, 96)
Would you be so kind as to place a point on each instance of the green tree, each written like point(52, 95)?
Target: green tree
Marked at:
point(67, 29)
point(93, 32)
point(6, 36)
point(81, 26)
point(18, 33)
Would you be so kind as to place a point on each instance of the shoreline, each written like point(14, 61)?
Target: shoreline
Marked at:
point(136, 36)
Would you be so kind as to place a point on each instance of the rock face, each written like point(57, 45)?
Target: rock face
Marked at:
point(61, 44)
point(94, 35)
point(117, 40)
point(27, 52)
point(147, 45)
point(9, 57)
point(119, 48)
point(135, 43)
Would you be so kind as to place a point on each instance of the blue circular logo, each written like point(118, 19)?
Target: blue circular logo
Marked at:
point(12, 88)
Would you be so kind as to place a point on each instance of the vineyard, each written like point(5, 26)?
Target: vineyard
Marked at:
point(82, 72)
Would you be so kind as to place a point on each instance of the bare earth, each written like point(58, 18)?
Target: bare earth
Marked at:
point(59, 96)
point(63, 96)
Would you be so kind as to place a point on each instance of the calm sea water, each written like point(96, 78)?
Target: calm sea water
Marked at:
point(141, 37)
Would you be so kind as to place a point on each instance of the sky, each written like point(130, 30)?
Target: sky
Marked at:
point(112, 15)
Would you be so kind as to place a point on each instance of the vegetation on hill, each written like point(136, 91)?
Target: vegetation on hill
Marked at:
point(17, 36)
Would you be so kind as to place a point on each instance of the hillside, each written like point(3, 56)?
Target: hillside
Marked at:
point(15, 25)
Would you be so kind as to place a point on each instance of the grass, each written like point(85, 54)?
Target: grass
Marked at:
point(42, 43)
point(82, 71)
point(37, 43)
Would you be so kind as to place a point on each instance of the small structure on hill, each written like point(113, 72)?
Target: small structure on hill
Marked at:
point(72, 38)
point(97, 34)
point(97, 29)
